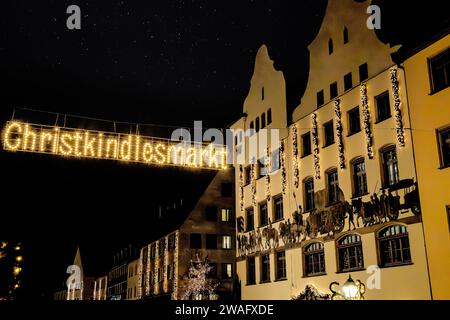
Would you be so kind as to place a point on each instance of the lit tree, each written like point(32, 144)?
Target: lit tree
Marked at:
point(198, 285)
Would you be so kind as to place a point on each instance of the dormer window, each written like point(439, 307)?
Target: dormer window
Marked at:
point(330, 46)
point(345, 35)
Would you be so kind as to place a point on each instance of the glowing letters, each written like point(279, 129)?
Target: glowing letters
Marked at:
point(81, 143)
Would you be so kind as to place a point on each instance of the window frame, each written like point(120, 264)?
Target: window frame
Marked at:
point(329, 172)
point(440, 144)
point(247, 210)
point(384, 174)
point(253, 282)
point(262, 264)
point(340, 248)
point(377, 98)
point(306, 254)
point(208, 237)
point(277, 275)
point(275, 199)
point(328, 124)
point(334, 90)
point(355, 181)
point(303, 138)
point(380, 239)
point(269, 116)
point(320, 98)
point(307, 180)
point(433, 89)
point(260, 205)
point(363, 71)
point(348, 78)
point(351, 130)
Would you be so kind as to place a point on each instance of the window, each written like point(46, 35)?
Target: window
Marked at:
point(196, 241)
point(250, 219)
point(269, 116)
point(359, 177)
point(320, 98)
point(448, 218)
point(383, 106)
point(314, 259)
point(265, 268)
point(354, 122)
point(350, 253)
point(332, 186)
point(211, 213)
point(226, 242)
point(444, 146)
point(275, 160)
point(329, 133)
point(251, 270)
point(440, 71)
point(257, 124)
point(263, 120)
point(211, 241)
point(345, 35)
point(389, 166)
point(306, 144)
point(226, 215)
point(393, 242)
point(261, 168)
point(330, 46)
point(278, 208)
point(252, 125)
point(333, 90)
point(363, 72)
point(226, 189)
point(248, 174)
point(308, 186)
point(262, 93)
point(263, 214)
point(281, 265)
point(227, 270)
point(348, 81)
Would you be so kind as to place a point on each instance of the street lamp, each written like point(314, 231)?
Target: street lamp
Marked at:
point(351, 290)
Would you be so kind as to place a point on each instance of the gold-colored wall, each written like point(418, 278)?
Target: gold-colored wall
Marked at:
point(428, 113)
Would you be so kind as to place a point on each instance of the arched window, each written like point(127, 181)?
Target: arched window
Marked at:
point(269, 116)
point(263, 120)
point(330, 46)
point(252, 127)
point(350, 254)
point(314, 259)
point(257, 124)
point(393, 246)
point(345, 35)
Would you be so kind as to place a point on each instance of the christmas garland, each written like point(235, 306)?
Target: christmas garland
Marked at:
point(147, 280)
point(157, 271)
point(337, 110)
point(295, 155)
point(268, 167)
point(175, 266)
point(283, 168)
point(366, 119)
point(166, 264)
point(315, 140)
point(397, 103)
point(241, 187)
point(253, 183)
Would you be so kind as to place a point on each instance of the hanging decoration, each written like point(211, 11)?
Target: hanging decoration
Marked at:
point(295, 155)
point(166, 263)
point(397, 104)
point(366, 119)
point(253, 183)
point(315, 140)
point(337, 111)
point(267, 178)
point(175, 271)
point(283, 168)
point(241, 187)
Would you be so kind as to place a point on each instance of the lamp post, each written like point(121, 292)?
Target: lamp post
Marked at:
point(351, 290)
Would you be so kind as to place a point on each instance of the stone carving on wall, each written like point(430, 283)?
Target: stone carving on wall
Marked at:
point(311, 293)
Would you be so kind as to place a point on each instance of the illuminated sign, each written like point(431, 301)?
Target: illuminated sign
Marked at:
point(81, 143)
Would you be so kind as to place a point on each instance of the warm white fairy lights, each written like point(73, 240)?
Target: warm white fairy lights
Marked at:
point(241, 187)
point(267, 178)
point(295, 155)
point(397, 107)
point(80, 143)
point(175, 271)
point(337, 111)
point(283, 168)
point(315, 140)
point(366, 119)
point(253, 183)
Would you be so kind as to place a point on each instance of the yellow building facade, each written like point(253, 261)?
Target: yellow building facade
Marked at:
point(427, 77)
point(333, 193)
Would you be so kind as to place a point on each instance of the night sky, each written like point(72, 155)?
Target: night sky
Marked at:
point(159, 62)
